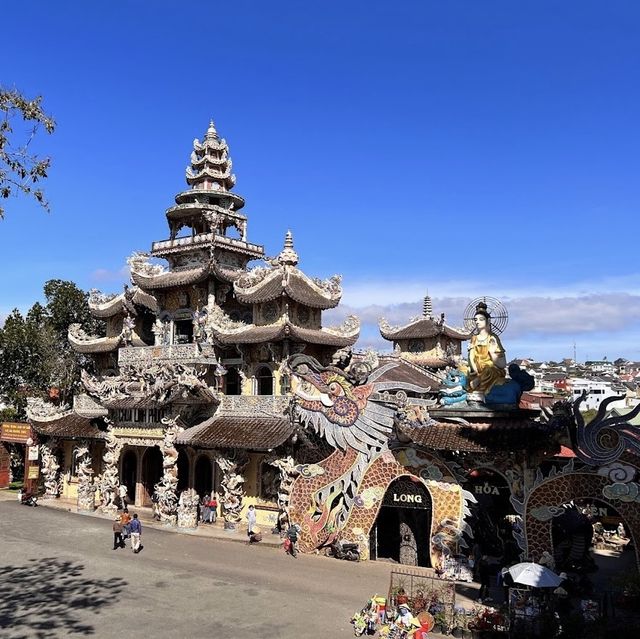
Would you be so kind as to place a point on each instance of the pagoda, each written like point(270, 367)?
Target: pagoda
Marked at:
point(426, 340)
point(189, 373)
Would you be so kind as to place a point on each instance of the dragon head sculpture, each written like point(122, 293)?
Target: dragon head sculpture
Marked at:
point(340, 406)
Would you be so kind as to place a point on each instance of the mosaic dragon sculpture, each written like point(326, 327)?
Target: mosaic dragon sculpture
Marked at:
point(355, 414)
point(109, 481)
point(86, 487)
point(603, 439)
point(166, 488)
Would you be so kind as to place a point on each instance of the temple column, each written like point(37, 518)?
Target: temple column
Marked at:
point(231, 487)
point(86, 487)
point(50, 469)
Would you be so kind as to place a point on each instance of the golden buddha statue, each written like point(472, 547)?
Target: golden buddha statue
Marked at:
point(487, 359)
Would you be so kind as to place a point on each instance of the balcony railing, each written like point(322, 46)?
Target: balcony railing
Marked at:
point(275, 405)
point(136, 355)
point(204, 238)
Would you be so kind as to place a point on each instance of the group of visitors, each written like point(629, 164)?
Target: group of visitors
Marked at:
point(209, 509)
point(125, 527)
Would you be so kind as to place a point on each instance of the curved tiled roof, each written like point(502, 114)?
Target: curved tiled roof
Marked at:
point(481, 437)
point(95, 345)
point(253, 334)
point(122, 303)
point(70, 426)
point(109, 308)
point(170, 278)
point(238, 431)
point(287, 280)
point(421, 328)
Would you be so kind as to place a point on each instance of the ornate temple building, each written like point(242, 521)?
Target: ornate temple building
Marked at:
point(188, 383)
point(213, 376)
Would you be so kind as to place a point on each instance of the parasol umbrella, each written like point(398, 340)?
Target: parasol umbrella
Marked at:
point(530, 574)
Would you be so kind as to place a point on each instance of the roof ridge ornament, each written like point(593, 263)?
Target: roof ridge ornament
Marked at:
point(288, 255)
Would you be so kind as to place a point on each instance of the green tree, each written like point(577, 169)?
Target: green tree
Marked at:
point(20, 170)
point(35, 354)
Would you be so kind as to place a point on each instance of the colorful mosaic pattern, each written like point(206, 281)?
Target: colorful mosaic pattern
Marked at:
point(561, 490)
point(446, 497)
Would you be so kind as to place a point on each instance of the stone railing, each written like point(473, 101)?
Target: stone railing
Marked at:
point(136, 355)
point(204, 238)
point(275, 405)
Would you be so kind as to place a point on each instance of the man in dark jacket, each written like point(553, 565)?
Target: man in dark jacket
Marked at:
point(136, 532)
point(118, 542)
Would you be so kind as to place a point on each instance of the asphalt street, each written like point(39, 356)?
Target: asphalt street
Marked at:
point(59, 577)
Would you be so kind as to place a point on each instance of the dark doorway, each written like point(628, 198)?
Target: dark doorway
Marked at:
point(264, 379)
point(151, 473)
point(183, 471)
point(402, 530)
point(129, 475)
point(492, 532)
point(203, 480)
point(232, 382)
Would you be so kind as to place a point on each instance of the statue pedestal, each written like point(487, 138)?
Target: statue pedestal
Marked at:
point(188, 520)
point(230, 526)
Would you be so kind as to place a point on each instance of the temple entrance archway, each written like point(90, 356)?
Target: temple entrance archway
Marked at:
point(151, 473)
point(402, 528)
point(183, 471)
point(203, 476)
point(129, 472)
point(549, 500)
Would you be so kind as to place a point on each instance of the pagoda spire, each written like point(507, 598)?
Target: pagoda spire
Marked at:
point(288, 254)
point(210, 168)
point(427, 308)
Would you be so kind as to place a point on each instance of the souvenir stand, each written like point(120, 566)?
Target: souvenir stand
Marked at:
point(422, 592)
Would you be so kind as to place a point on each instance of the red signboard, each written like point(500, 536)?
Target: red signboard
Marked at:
point(15, 432)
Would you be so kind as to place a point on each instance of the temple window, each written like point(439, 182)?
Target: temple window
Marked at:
point(232, 382)
point(264, 381)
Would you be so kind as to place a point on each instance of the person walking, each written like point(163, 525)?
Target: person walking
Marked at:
point(293, 533)
point(251, 521)
point(118, 542)
point(125, 520)
point(136, 532)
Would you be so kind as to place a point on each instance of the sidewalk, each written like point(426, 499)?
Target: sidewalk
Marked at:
point(213, 531)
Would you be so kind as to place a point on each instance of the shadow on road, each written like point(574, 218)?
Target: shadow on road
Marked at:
point(43, 598)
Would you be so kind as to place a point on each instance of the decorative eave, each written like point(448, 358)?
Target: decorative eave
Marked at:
point(240, 333)
point(105, 306)
point(426, 360)
point(421, 328)
point(264, 284)
point(168, 279)
point(60, 421)
point(81, 342)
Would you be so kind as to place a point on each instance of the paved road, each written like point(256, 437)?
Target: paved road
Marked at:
point(60, 578)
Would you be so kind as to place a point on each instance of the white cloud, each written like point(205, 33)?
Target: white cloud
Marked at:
point(105, 275)
point(600, 316)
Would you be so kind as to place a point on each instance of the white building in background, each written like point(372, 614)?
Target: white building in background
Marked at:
point(601, 366)
point(597, 391)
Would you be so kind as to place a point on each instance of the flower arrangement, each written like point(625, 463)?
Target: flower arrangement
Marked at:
point(488, 619)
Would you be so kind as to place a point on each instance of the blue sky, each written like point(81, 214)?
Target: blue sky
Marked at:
point(464, 148)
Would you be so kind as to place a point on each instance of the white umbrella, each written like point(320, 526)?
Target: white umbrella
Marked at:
point(530, 574)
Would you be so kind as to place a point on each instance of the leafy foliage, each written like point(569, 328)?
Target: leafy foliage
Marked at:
point(21, 171)
point(35, 355)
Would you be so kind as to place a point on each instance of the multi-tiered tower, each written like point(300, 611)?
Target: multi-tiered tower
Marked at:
point(200, 339)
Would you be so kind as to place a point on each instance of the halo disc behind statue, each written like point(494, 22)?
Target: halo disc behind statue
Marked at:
point(495, 308)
